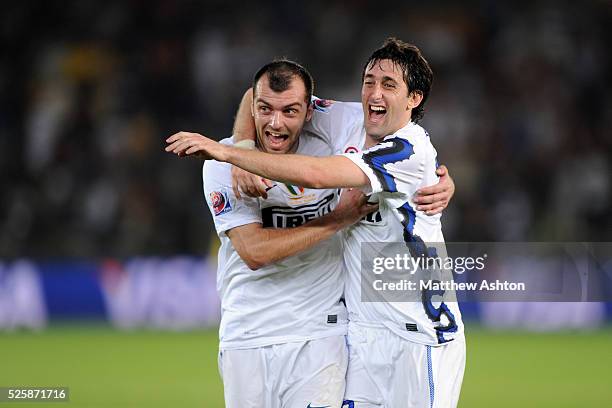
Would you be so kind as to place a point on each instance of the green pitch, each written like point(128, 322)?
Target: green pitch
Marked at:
point(107, 368)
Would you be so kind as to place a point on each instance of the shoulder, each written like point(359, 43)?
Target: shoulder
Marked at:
point(312, 144)
point(213, 169)
point(327, 107)
point(410, 143)
point(415, 136)
point(413, 132)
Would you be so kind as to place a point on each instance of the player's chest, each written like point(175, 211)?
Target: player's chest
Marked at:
point(289, 206)
point(353, 142)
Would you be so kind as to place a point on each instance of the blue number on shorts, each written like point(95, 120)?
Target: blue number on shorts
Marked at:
point(348, 404)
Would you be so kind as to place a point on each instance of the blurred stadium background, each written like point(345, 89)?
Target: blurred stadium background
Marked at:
point(107, 250)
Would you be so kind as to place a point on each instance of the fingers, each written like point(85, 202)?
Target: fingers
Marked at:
point(180, 144)
point(181, 135)
point(445, 184)
point(235, 183)
point(250, 184)
point(433, 206)
point(192, 150)
point(437, 197)
point(256, 188)
point(442, 170)
point(236, 189)
point(428, 191)
point(435, 211)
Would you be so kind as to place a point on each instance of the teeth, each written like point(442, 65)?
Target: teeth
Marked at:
point(377, 108)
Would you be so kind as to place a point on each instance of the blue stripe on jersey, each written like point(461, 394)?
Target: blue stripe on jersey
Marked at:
point(430, 376)
point(399, 150)
point(435, 315)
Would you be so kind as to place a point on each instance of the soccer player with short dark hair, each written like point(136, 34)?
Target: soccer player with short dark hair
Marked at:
point(283, 325)
point(403, 354)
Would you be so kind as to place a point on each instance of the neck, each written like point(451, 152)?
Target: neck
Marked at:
point(373, 140)
point(370, 141)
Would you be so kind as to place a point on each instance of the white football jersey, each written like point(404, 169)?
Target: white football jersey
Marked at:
point(396, 167)
point(295, 299)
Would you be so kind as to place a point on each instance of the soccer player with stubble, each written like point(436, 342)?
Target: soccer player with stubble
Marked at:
point(283, 324)
point(392, 157)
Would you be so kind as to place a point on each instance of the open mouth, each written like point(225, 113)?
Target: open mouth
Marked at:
point(276, 139)
point(376, 113)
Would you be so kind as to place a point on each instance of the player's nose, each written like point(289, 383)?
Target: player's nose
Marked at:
point(376, 92)
point(276, 121)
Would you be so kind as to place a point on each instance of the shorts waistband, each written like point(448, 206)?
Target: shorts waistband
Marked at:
point(364, 323)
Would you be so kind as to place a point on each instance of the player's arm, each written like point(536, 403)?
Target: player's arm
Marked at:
point(306, 171)
point(434, 199)
point(244, 137)
point(244, 125)
point(311, 172)
point(258, 246)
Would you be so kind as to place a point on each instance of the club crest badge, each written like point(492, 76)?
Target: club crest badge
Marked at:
point(321, 105)
point(220, 202)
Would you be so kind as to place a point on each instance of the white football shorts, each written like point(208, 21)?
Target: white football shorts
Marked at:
point(388, 371)
point(308, 374)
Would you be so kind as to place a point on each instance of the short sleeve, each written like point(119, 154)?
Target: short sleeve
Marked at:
point(227, 211)
point(392, 166)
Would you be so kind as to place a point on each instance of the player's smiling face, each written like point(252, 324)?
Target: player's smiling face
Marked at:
point(279, 116)
point(387, 105)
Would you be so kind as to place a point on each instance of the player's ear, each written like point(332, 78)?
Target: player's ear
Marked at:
point(309, 112)
point(414, 99)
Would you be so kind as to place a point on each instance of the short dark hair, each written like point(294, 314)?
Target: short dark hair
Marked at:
point(281, 72)
point(418, 75)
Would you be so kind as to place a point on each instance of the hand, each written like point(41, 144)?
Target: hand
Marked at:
point(251, 184)
point(353, 206)
point(434, 199)
point(194, 144)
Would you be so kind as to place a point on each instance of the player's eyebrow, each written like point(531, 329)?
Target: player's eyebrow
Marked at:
point(262, 101)
point(388, 78)
point(292, 105)
point(385, 78)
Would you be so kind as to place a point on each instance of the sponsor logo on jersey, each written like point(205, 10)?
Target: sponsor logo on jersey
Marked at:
point(220, 202)
point(372, 218)
point(289, 217)
point(351, 149)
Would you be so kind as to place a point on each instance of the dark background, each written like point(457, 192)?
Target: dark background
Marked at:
point(520, 111)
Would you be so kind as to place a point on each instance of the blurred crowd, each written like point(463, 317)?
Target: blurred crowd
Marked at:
point(520, 111)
